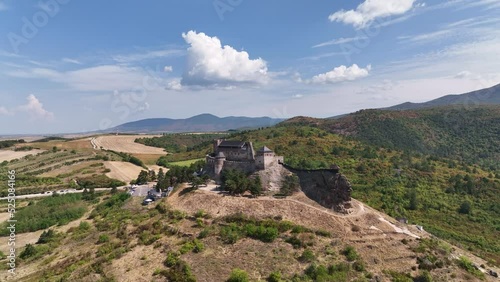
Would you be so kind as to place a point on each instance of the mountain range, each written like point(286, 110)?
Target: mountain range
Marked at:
point(487, 96)
point(211, 123)
point(199, 123)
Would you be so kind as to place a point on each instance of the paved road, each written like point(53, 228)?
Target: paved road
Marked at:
point(69, 191)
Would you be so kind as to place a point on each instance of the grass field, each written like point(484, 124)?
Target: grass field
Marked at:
point(186, 163)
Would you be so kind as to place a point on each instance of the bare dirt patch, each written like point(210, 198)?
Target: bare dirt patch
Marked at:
point(126, 144)
point(7, 155)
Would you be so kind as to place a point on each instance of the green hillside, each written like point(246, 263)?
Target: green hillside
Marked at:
point(452, 199)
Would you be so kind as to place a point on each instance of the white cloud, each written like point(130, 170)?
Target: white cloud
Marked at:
point(147, 55)
point(71, 61)
point(35, 109)
point(370, 10)
point(341, 73)
point(168, 69)
point(4, 111)
point(98, 78)
point(340, 41)
point(211, 64)
point(174, 84)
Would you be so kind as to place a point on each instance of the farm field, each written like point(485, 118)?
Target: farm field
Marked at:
point(125, 171)
point(126, 144)
point(8, 155)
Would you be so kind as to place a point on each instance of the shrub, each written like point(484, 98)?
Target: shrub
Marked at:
point(180, 271)
point(238, 275)
point(204, 233)
point(274, 277)
point(466, 264)
point(171, 260)
point(264, 234)
point(307, 256)
point(295, 242)
point(230, 234)
point(350, 253)
point(103, 238)
point(29, 251)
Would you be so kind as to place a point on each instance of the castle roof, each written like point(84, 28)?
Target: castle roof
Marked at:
point(231, 144)
point(220, 155)
point(265, 150)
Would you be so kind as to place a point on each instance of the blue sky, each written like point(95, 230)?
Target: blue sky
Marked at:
point(72, 66)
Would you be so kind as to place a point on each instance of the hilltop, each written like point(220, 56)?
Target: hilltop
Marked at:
point(487, 96)
point(199, 123)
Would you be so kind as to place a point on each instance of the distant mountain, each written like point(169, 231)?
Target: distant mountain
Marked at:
point(487, 96)
point(199, 123)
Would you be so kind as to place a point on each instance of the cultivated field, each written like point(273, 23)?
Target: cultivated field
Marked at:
point(125, 143)
point(7, 155)
point(122, 171)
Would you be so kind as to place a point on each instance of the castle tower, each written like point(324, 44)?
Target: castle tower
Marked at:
point(219, 164)
point(216, 145)
point(264, 158)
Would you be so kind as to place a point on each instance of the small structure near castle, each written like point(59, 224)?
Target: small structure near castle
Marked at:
point(239, 155)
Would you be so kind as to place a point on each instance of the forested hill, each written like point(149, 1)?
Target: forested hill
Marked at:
point(487, 96)
point(467, 134)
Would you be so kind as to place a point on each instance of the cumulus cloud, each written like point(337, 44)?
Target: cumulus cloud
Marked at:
point(211, 64)
point(174, 84)
point(370, 10)
point(35, 109)
point(341, 73)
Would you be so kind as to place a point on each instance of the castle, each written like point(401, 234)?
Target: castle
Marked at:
point(239, 155)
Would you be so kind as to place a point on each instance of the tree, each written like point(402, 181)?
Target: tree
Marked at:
point(161, 175)
point(413, 200)
point(255, 186)
point(197, 181)
point(143, 177)
point(465, 208)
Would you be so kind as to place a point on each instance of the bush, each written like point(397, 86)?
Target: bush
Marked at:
point(466, 264)
point(238, 275)
point(171, 260)
point(274, 277)
point(295, 242)
point(307, 256)
point(103, 238)
point(230, 234)
point(264, 234)
point(29, 251)
point(350, 253)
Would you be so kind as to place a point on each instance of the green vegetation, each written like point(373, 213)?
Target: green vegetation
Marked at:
point(98, 181)
point(237, 182)
point(47, 212)
point(290, 185)
point(466, 264)
point(427, 189)
point(180, 142)
point(10, 143)
point(238, 275)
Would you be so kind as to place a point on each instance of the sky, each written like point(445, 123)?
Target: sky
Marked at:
point(73, 66)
